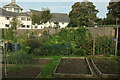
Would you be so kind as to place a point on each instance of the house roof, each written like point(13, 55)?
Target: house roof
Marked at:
point(12, 5)
point(3, 12)
point(59, 17)
point(56, 17)
point(35, 11)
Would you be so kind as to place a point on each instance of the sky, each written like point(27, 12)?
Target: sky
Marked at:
point(58, 6)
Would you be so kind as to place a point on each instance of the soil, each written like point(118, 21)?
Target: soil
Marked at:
point(107, 65)
point(26, 72)
point(73, 66)
point(40, 61)
point(29, 70)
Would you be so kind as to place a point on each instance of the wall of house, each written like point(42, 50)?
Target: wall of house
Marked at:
point(4, 21)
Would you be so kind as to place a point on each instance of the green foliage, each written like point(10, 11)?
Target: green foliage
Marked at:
point(41, 18)
point(48, 70)
point(9, 34)
point(19, 58)
point(52, 49)
point(113, 14)
point(114, 9)
point(45, 33)
point(104, 45)
point(82, 14)
point(3, 33)
point(15, 23)
point(35, 18)
point(45, 15)
point(65, 42)
point(32, 44)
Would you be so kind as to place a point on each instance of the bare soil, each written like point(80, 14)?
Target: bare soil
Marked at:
point(107, 65)
point(31, 71)
point(73, 66)
point(25, 72)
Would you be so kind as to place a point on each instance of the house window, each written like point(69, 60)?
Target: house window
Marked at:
point(28, 19)
point(35, 26)
point(7, 18)
point(28, 26)
point(23, 26)
point(16, 10)
point(6, 25)
point(23, 18)
point(9, 9)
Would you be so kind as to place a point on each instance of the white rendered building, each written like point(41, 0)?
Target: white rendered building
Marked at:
point(13, 10)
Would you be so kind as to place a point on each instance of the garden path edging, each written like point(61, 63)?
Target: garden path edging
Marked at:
point(74, 75)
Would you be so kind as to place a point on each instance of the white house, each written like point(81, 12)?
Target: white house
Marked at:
point(13, 10)
point(6, 17)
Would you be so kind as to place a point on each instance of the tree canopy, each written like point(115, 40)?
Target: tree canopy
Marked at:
point(113, 13)
point(15, 23)
point(83, 14)
point(43, 17)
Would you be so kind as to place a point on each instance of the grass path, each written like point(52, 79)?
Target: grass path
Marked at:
point(48, 70)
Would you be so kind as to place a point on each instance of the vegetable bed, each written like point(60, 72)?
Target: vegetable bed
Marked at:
point(106, 67)
point(73, 67)
point(26, 70)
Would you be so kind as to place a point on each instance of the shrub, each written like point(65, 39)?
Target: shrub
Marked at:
point(19, 58)
point(52, 49)
point(32, 43)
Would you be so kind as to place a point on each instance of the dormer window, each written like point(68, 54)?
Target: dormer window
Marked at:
point(16, 10)
point(10, 9)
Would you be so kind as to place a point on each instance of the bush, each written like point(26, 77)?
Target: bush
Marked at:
point(32, 43)
point(19, 58)
point(52, 49)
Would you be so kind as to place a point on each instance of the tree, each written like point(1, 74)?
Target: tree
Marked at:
point(35, 18)
point(83, 14)
point(9, 34)
point(43, 17)
point(15, 23)
point(113, 12)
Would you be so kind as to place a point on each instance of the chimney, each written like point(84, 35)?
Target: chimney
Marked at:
point(13, 1)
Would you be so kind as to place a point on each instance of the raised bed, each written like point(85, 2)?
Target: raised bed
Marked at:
point(106, 67)
point(72, 67)
point(32, 70)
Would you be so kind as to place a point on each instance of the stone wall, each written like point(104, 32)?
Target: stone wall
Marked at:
point(102, 31)
point(96, 31)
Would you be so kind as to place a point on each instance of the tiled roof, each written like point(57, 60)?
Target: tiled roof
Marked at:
point(3, 12)
point(56, 17)
point(12, 5)
point(59, 17)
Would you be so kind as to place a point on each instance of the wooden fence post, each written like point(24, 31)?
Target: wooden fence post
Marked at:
point(94, 46)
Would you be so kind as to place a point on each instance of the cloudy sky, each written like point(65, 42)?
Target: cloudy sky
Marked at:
point(58, 6)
